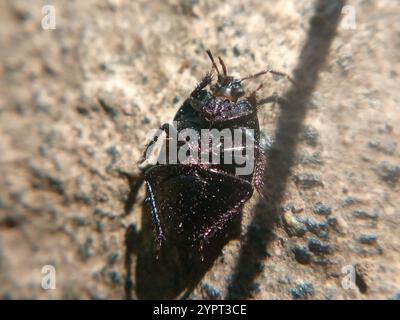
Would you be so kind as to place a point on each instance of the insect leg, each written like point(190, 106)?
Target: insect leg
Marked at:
point(165, 127)
point(272, 99)
point(252, 98)
point(219, 225)
point(274, 72)
point(203, 83)
point(154, 213)
point(258, 177)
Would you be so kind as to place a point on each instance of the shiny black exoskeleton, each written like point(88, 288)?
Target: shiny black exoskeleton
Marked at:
point(191, 202)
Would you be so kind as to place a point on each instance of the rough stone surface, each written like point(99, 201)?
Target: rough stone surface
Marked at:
point(77, 105)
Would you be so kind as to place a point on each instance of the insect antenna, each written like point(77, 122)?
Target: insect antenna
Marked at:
point(213, 61)
point(223, 66)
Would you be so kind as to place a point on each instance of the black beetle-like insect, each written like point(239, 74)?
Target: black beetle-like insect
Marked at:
point(191, 202)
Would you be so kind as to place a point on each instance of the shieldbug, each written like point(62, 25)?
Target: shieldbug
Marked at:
point(191, 201)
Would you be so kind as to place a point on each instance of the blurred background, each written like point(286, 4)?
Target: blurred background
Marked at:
point(82, 84)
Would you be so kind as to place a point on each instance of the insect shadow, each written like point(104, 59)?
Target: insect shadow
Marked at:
point(171, 271)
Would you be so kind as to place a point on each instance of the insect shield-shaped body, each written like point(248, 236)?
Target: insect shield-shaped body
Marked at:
point(209, 162)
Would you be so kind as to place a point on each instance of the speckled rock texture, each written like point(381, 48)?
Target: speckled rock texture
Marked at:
point(78, 102)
